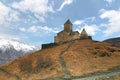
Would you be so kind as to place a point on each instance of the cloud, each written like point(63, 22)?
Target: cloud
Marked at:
point(22, 29)
point(9, 36)
point(89, 24)
point(25, 12)
point(39, 29)
point(113, 21)
point(109, 1)
point(66, 2)
point(91, 29)
point(39, 8)
point(7, 15)
point(78, 22)
point(84, 21)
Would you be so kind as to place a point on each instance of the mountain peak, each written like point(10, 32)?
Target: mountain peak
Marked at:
point(11, 49)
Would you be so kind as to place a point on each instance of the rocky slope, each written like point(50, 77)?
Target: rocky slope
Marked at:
point(114, 41)
point(12, 49)
point(67, 61)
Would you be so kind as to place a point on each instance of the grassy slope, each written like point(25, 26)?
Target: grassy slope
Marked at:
point(82, 57)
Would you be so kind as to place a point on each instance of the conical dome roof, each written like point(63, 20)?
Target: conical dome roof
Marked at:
point(68, 22)
point(84, 33)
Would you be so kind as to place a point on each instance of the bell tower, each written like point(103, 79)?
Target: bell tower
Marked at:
point(68, 26)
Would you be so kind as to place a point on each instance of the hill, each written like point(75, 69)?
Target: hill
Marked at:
point(114, 41)
point(72, 59)
point(12, 49)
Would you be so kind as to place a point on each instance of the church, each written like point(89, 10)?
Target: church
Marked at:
point(68, 34)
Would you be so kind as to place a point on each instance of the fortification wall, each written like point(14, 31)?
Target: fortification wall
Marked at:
point(49, 45)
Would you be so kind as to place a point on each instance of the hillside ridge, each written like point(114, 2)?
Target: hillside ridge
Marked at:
point(70, 60)
point(114, 41)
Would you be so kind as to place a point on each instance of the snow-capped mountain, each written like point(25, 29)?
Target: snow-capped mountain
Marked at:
point(12, 49)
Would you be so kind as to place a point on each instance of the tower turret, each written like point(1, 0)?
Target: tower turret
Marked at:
point(83, 34)
point(68, 26)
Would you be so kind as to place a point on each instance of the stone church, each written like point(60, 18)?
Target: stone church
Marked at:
point(68, 34)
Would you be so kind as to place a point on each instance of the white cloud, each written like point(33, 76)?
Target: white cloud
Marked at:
point(7, 15)
point(101, 11)
point(113, 25)
point(33, 29)
point(78, 22)
point(9, 36)
point(84, 21)
point(66, 2)
point(91, 29)
point(39, 29)
point(109, 1)
point(38, 7)
point(87, 23)
point(90, 19)
point(22, 29)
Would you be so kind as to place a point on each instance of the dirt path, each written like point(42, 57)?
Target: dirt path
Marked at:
point(12, 75)
point(98, 76)
point(62, 62)
point(95, 76)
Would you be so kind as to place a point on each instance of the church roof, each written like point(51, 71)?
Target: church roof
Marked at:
point(84, 32)
point(68, 22)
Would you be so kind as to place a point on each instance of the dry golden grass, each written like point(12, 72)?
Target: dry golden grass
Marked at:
point(6, 77)
point(83, 57)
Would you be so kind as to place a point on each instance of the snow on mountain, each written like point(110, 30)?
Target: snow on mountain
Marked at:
point(12, 49)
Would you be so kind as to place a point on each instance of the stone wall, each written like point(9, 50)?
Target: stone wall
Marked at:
point(50, 45)
point(65, 37)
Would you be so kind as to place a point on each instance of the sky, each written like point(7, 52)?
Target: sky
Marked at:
point(36, 22)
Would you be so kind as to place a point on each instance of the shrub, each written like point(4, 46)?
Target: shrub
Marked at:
point(26, 65)
point(104, 54)
point(94, 53)
point(101, 53)
point(118, 50)
point(111, 49)
point(97, 48)
point(42, 63)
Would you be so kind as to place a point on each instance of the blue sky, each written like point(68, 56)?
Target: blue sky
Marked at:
point(37, 21)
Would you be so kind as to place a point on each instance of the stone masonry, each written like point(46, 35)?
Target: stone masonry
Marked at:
point(68, 34)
